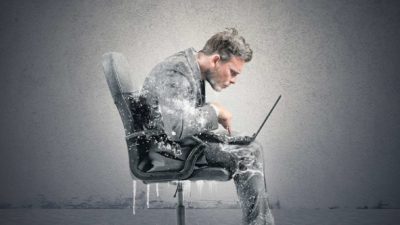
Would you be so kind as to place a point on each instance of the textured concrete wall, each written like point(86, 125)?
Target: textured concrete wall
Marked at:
point(332, 140)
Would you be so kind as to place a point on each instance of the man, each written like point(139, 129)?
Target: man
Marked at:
point(178, 84)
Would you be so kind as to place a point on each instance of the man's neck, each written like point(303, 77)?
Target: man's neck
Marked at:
point(202, 61)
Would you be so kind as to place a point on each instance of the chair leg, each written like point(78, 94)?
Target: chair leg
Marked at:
point(180, 208)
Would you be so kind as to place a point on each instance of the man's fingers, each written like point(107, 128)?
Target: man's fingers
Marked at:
point(229, 130)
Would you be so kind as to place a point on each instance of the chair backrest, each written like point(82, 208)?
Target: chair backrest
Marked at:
point(141, 118)
point(138, 111)
point(119, 80)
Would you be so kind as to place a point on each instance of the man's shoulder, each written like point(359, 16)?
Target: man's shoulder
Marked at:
point(180, 62)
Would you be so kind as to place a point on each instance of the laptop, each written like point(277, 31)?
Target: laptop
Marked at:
point(236, 140)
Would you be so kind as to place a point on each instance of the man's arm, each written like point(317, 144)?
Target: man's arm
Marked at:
point(224, 117)
point(177, 101)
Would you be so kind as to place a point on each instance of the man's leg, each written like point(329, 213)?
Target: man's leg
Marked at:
point(245, 163)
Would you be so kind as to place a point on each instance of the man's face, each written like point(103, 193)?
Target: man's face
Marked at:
point(223, 74)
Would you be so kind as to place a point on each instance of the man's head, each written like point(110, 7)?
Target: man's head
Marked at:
point(225, 55)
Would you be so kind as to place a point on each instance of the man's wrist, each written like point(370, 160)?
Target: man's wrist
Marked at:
point(215, 109)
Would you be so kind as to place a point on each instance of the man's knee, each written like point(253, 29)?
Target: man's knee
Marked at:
point(257, 150)
point(251, 180)
point(217, 158)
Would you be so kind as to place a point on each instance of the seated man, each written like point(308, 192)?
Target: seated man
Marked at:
point(178, 84)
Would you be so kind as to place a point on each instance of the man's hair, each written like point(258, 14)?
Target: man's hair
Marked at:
point(228, 44)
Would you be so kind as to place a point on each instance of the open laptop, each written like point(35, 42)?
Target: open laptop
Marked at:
point(236, 140)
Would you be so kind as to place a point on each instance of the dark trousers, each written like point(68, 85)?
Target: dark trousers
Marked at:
point(245, 162)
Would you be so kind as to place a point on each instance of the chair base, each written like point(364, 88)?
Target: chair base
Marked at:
point(180, 208)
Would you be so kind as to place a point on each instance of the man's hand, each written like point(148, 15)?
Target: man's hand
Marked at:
point(224, 117)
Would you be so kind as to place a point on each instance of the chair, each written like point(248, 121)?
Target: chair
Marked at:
point(143, 124)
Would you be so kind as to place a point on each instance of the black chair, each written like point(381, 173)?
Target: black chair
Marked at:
point(142, 121)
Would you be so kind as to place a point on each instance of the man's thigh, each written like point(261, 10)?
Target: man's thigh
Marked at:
point(234, 158)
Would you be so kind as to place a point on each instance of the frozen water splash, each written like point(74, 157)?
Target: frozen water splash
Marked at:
point(172, 104)
point(134, 197)
point(202, 121)
point(187, 110)
point(249, 158)
point(169, 147)
point(157, 191)
point(252, 172)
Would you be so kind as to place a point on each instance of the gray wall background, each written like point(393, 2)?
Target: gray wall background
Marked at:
point(332, 140)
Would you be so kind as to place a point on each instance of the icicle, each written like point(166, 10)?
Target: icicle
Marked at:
point(148, 196)
point(214, 185)
point(188, 189)
point(200, 184)
point(157, 191)
point(134, 198)
point(211, 185)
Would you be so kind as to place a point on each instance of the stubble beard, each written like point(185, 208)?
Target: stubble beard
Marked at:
point(210, 77)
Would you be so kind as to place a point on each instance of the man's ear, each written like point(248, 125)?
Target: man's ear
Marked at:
point(215, 58)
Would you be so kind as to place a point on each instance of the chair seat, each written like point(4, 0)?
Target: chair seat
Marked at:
point(210, 173)
point(206, 173)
